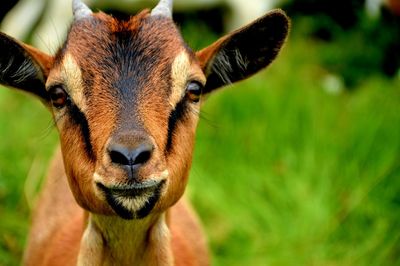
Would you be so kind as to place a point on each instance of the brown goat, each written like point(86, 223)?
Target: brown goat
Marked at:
point(125, 96)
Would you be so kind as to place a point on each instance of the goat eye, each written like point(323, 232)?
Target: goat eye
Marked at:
point(58, 96)
point(193, 91)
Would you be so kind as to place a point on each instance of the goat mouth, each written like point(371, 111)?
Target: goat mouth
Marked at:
point(133, 201)
point(132, 190)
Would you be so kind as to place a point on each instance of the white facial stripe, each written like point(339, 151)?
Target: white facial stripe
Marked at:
point(73, 77)
point(179, 73)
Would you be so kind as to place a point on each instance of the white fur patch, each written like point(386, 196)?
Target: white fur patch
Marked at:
point(179, 73)
point(134, 203)
point(73, 77)
point(161, 232)
point(97, 178)
point(91, 246)
point(160, 176)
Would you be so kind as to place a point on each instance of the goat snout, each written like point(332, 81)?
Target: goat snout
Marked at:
point(130, 150)
point(128, 156)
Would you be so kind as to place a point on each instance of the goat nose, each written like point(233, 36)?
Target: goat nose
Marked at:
point(126, 156)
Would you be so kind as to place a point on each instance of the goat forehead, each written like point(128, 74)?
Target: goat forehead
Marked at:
point(124, 54)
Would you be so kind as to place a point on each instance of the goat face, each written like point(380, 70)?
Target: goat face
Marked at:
point(125, 96)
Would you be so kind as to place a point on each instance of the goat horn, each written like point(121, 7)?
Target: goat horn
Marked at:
point(164, 8)
point(80, 10)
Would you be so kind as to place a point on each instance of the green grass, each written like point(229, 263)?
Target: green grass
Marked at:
point(284, 173)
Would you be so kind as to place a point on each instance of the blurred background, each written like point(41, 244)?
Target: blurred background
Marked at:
point(299, 165)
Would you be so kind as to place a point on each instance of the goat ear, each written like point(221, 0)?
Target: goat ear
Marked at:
point(244, 52)
point(23, 67)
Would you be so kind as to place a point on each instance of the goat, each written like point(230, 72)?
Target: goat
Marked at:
point(125, 96)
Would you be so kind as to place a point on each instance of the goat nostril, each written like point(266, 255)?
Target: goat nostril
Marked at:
point(142, 154)
point(142, 157)
point(119, 157)
point(130, 157)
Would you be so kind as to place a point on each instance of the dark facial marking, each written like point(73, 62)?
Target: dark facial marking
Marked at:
point(174, 117)
point(80, 120)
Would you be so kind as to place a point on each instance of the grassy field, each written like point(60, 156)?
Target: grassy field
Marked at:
point(284, 172)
